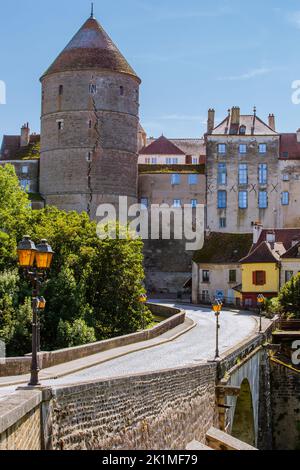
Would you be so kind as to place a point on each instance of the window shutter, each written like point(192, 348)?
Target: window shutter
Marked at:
point(263, 278)
point(254, 281)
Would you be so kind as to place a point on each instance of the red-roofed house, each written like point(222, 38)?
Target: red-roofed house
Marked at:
point(273, 259)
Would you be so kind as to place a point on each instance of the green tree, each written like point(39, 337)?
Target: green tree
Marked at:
point(289, 297)
point(15, 214)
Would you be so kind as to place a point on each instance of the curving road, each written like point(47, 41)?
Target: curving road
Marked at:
point(197, 345)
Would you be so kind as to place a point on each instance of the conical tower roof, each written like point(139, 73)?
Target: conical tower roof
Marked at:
point(91, 49)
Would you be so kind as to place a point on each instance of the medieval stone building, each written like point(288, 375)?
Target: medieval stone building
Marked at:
point(90, 122)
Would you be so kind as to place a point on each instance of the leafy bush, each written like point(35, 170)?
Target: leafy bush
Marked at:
point(93, 287)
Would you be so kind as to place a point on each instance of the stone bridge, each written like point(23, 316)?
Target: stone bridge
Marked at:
point(162, 410)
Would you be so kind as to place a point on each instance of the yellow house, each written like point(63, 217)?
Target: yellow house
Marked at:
point(261, 272)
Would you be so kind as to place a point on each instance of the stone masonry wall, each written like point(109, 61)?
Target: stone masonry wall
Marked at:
point(285, 387)
point(166, 410)
point(24, 435)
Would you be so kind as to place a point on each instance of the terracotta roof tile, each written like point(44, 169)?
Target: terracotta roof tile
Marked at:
point(91, 48)
point(161, 146)
point(10, 148)
point(262, 253)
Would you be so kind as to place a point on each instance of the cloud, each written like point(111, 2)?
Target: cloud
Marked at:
point(294, 18)
point(251, 74)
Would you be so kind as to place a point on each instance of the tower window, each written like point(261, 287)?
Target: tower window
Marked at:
point(60, 125)
point(93, 88)
point(90, 124)
point(61, 90)
point(89, 157)
point(121, 90)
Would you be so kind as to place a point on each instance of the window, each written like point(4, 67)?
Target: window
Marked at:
point(25, 170)
point(25, 185)
point(243, 130)
point(243, 199)
point(154, 161)
point(222, 148)
point(121, 90)
point(193, 179)
point(205, 276)
point(61, 90)
point(60, 125)
point(148, 160)
point(285, 198)
point(177, 203)
point(222, 174)
point(248, 303)
point(232, 275)
point(259, 278)
point(285, 177)
point(92, 89)
point(90, 124)
point(263, 174)
point(175, 161)
point(222, 222)
point(262, 148)
point(175, 179)
point(144, 202)
point(285, 154)
point(243, 148)
point(205, 296)
point(271, 237)
point(195, 160)
point(288, 275)
point(89, 157)
point(243, 173)
point(263, 199)
point(222, 199)
point(194, 203)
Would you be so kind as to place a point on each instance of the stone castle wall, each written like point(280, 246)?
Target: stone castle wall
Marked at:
point(285, 388)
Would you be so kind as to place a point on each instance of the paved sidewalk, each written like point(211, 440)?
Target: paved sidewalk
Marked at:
point(78, 365)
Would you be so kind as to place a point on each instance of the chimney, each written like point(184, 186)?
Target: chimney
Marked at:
point(211, 121)
point(142, 138)
point(298, 135)
point(235, 115)
point(272, 121)
point(257, 229)
point(25, 135)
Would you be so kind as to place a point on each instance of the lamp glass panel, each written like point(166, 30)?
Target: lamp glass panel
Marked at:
point(42, 260)
point(26, 257)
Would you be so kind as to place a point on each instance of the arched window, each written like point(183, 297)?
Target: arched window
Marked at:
point(61, 90)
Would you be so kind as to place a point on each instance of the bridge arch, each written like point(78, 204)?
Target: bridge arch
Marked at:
point(247, 376)
point(243, 421)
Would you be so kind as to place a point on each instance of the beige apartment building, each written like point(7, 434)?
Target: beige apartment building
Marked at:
point(243, 182)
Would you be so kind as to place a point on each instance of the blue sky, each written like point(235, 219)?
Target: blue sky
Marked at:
point(191, 55)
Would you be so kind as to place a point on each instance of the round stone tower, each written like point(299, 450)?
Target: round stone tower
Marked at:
point(90, 123)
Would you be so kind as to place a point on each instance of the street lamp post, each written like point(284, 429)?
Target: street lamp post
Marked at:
point(35, 260)
point(260, 301)
point(217, 308)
